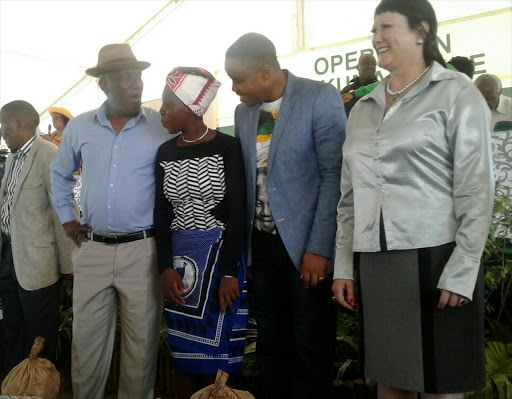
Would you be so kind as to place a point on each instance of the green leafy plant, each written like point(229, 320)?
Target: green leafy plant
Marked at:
point(498, 368)
point(163, 342)
point(65, 331)
point(498, 298)
point(250, 365)
point(65, 335)
point(347, 344)
point(498, 268)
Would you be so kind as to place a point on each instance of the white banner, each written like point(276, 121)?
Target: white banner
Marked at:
point(484, 38)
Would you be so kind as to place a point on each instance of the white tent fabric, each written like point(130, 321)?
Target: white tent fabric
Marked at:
point(45, 46)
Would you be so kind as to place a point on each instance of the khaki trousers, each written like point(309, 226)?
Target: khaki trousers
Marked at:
point(107, 276)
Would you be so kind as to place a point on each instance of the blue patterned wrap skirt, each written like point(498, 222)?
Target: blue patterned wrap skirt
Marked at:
point(202, 340)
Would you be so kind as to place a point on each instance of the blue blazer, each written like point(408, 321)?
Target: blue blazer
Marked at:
point(304, 165)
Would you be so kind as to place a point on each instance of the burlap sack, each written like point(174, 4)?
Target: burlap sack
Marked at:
point(220, 390)
point(33, 376)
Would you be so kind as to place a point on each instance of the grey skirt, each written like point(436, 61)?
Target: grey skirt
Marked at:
point(407, 343)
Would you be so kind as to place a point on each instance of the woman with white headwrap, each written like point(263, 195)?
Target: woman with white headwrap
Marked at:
point(199, 231)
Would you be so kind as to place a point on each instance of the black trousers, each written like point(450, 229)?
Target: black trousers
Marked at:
point(27, 315)
point(296, 325)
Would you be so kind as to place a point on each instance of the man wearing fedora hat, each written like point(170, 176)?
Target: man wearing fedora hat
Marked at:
point(114, 262)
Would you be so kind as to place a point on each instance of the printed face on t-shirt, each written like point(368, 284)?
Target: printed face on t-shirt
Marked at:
point(264, 220)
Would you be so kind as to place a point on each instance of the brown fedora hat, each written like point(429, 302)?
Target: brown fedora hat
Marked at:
point(115, 57)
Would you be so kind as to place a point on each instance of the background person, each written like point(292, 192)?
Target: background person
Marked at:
point(295, 127)
point(34, 248)
point(500, 105)
point(60, 118)
point(199, 232)
point(417, 195)
point(115, 262)
point(366, 67)
point(464, 65)
point(501, 134)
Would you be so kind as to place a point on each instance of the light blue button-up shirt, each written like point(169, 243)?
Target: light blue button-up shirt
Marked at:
point(118, 183)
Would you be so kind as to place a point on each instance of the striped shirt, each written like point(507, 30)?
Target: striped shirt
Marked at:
point(14, 173)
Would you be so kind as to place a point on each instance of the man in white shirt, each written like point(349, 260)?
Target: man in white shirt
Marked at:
point(500, 105)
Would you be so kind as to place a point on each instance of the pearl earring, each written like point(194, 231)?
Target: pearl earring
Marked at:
point(420, 41)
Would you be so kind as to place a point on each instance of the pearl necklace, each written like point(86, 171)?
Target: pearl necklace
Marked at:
point(396, 94)
point(196, 140)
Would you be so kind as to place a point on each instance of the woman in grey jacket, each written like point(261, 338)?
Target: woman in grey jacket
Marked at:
point(417, 193)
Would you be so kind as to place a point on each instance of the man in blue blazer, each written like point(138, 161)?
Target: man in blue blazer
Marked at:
point(291, 131)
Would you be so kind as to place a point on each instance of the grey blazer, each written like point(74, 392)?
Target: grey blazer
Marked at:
point(304, 165)
point(40, 248)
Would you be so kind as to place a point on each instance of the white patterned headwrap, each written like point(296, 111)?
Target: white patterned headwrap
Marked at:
point(194, 86)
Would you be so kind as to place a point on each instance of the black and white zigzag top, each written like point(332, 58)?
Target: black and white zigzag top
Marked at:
point(200, 187)
point(195, 187)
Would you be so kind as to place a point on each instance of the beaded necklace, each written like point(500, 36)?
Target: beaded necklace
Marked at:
point(396, 94)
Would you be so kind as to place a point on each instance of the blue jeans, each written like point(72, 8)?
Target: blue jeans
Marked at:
point(296, 325)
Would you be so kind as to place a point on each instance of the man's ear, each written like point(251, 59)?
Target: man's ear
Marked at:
point(266, 72)
point(103, 83)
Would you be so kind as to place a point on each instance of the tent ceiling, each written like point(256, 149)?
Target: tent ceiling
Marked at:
point(45, 46)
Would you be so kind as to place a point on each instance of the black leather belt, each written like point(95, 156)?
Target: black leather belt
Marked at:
point(120, 239)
